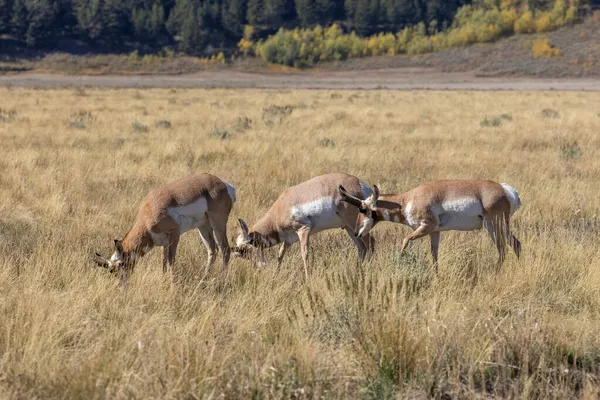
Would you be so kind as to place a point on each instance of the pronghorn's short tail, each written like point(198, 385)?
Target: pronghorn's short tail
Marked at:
point(513, 197)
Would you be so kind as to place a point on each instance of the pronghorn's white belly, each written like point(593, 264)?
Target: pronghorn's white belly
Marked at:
point(457, 222)
point(190, 216)
point(289, 237)
point(319, 214)
point(459, 215)
point(160, 239)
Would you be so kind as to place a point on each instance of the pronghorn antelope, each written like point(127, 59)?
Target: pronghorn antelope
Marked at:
point(199, 201)
point(303, 210)
point(445, 205)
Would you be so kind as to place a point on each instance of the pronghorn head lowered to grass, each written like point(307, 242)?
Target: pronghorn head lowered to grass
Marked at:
point(300, 211)
point(118, 261)
point(443, 205)
point(201, 202)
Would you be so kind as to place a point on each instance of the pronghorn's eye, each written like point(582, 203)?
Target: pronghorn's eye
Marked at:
point(362, 211)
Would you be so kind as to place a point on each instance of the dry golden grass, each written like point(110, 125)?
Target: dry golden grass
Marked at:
point(76, 164)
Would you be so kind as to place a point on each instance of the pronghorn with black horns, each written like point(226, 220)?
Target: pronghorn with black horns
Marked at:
point(303, 210)
point(443, 205)
point(199, 201)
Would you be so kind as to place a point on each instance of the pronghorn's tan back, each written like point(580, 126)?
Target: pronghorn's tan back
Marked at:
point(306, 192)
point(182, 192)
point(444, 190)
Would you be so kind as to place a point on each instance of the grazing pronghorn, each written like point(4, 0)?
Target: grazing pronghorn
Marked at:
point(445, 205)
point(199, 201)
point(303, 210)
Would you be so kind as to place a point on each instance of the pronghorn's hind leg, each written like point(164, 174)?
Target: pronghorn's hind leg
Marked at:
point(512, 240)
point(206, 234)
point(515, 244)
point(498, 236)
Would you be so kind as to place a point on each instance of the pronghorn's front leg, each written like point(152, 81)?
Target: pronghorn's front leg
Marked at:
point(435, 244)
point(282, 250)
point(260, 255)
point(169, 251)
point(360, 244)
point(165, 258)
point(422, 230)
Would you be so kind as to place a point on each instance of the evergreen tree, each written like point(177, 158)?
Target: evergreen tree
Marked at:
point(179, 13)
point(41, 18)
point(89, 16)
point(192, 40)
point(156, 23)
point(20, 19)
point(255, 13)
point(307, 13)
point(362, 18)
point(116, 23)
point(329, 11)
point(139, 19)
point(5, 15)
point(233, 17)
point(278, 13)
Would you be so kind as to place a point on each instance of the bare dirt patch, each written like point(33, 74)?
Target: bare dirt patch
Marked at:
point(393, 79)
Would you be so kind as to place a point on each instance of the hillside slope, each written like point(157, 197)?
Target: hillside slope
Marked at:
point(579, 47)
point(579, 57)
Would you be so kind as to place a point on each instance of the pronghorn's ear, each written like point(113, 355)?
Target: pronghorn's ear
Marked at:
point(101, 261)
point(118, 246)
point(375, 192)
point(348, 198)
point(243, 226)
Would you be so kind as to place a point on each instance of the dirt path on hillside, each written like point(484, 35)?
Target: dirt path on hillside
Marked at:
point(394, 79)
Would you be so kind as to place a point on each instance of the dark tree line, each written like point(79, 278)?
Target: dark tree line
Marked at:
point(192, 25)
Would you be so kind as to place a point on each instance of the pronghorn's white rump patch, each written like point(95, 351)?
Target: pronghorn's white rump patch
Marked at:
point(319, 214)
point(191, 215)
point(230, 191)
point(513, 197)
point(365, 189)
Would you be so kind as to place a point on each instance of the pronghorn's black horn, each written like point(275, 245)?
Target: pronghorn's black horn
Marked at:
point(348, 198)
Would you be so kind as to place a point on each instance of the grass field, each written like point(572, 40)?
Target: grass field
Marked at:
point(76, 163)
